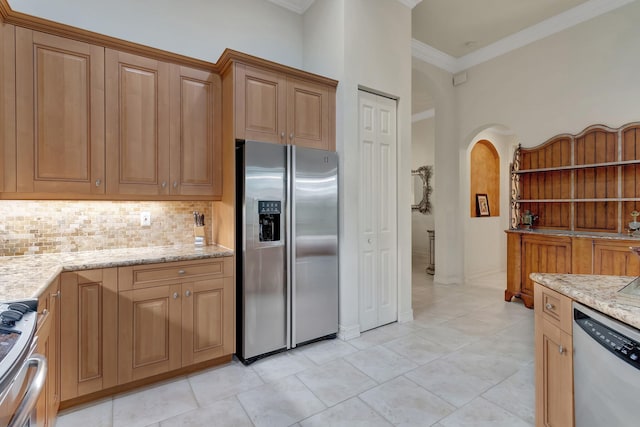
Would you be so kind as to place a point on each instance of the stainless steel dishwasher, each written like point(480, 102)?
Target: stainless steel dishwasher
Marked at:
point(606, 370)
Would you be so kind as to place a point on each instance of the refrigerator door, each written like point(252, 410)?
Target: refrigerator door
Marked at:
point(263, 316)
point(314, 197)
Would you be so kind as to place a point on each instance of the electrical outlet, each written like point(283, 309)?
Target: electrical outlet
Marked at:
point(145, 219)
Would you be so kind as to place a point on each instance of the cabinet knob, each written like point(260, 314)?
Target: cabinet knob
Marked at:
point(181, 272)
point(291, 136)
point(98, 182)
point(56, 295)
point(164, 184)
point(560, 349)
point(188, 293)
point(175, 184)
point(368, 240)
point(176, 295)
point(549, 306)
point(282, 135)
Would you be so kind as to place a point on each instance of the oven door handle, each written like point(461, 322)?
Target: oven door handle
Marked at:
point(33, 391)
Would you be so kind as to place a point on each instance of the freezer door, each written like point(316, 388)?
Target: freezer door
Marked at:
point(315, 244)
point(263, 293)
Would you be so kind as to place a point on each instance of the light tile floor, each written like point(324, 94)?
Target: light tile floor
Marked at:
point(465, 360)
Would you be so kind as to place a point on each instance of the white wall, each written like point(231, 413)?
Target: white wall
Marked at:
point(485, 245)
point(197, 28)
point(422, 154)
point(379, 60)
point(581, 76)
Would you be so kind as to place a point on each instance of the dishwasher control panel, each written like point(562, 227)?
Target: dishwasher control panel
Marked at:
point(620, 345)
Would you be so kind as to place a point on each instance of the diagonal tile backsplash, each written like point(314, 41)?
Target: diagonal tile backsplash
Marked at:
point(37, 227)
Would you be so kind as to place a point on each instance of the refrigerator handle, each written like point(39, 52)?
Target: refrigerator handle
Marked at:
point(290, 242)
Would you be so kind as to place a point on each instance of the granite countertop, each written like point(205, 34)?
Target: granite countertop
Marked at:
point(27, 276)
point(597, 292)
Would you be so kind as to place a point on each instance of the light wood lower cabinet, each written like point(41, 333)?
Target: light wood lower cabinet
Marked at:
point(48, 334)
point(553, 359)
point(173, 315)
point(89, 343)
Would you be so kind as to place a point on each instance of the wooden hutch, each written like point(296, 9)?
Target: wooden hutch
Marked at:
point(581, 189)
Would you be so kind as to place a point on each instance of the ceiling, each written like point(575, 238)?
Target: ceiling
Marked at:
point(457, 34)
point(459, 27)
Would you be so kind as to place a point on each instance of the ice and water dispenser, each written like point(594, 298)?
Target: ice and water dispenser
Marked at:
point(269, 220)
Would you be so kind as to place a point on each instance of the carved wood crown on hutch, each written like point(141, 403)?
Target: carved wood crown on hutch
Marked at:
point(588, 182)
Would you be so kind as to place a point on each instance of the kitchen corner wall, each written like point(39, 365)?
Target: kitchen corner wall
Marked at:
point(38, 227)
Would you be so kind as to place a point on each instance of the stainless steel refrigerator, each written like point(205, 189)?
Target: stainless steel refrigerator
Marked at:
point(286, 247)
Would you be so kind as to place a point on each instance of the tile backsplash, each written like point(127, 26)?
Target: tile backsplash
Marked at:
point(37, 227)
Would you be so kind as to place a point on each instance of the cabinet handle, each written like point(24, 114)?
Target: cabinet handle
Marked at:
point(175, 184)
point(176, 295)
point(56, 295)
point(181, 272)
point(549, 306)
point(560, 349)
point(98, 182)
point(188, 293)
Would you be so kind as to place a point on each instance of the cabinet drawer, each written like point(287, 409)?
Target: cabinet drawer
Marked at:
point(553, 307)
point(142, 276)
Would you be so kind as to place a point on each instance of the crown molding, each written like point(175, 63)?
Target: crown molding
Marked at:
point(297, 6)
point(423, 115)
point(433, 56)
point(555, 24)
point(410, 3)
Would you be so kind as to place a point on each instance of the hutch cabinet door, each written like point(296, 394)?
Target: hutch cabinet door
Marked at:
point(615, 258)
point(543, 254)
point(59, 114)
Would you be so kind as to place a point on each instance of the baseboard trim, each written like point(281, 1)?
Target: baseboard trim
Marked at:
point(405, 316)
point(346, 333)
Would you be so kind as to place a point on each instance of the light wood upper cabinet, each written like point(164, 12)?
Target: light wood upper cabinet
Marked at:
point(163, 128)
point(7, 108)
point(196, 133)
point(274, 107)
point(137, 123)
point(59, 114)
point(88, 354)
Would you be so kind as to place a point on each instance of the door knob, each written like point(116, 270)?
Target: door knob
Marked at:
point(368, 240)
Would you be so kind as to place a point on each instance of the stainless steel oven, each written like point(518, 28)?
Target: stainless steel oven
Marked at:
point(22, 373)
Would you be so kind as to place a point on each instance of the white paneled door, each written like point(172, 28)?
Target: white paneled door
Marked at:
point(378, 226)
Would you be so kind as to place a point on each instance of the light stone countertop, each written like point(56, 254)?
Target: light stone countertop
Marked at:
point(597, 292)
point(27, 276)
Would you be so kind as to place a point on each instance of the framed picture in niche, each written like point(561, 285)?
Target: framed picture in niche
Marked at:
point(482, 205)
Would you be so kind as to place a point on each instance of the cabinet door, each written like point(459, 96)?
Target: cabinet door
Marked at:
point(615, 258)
point(59, 114)
point(554, 375)
point(149, 332)
point(196, 133)
point(48, 345)
point(7, 108)
point(260, 105)
point(88, 345)
point(308, 114)
point(207, 320)
point(137, 123)
point(544, 255)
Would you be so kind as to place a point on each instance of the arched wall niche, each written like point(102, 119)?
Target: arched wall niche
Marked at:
point(485, 176)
